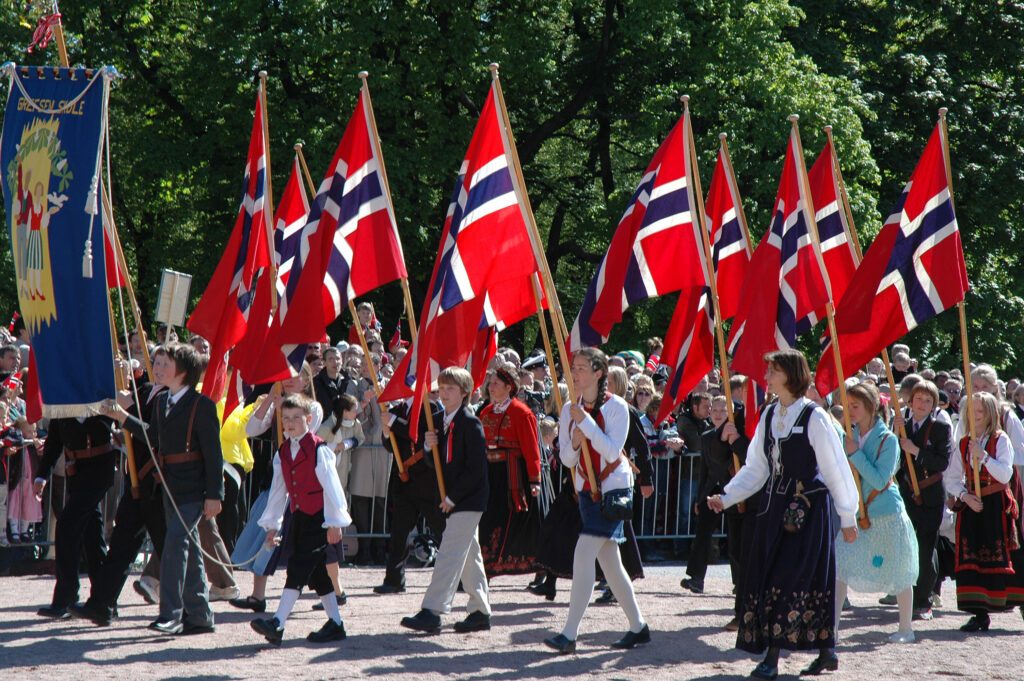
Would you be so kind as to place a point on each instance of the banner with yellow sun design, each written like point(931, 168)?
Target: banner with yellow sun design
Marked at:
point(51, 163)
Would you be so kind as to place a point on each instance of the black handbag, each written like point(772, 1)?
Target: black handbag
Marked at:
point(617, 504)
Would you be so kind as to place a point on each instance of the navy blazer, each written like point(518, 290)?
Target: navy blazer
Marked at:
point(464, 462)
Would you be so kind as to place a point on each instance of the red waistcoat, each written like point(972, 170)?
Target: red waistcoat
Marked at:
point(304, 490)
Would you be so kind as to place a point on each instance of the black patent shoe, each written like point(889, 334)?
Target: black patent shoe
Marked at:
point(821, 664)
point(269, 628)
point(249, 603)
point(342, 600)
point(545, 589)
point(765, 671)
point(632, 640)
point(976, 623)
point(54, 612)
point(560, 643)
point(606, 598)
point(167, 627)
point(98, 615)
point(386, 588)
point(332, 631)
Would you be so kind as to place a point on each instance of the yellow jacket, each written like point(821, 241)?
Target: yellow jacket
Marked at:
point(233, 442)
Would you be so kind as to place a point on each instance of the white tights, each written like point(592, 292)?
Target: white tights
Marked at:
point(606, 552)
point(904, 599)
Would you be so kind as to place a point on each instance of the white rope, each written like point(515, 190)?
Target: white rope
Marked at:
point(12, 71)
point(193, 535)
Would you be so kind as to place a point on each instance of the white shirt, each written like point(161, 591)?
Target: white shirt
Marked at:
point(833, 467)
point(1012, 428)
point(255, 427)
point(174, 399)
point(335, 506)
point(1000, 467)
point(608, 442)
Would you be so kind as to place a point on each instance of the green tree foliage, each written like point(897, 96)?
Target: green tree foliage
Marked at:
point(592, 87)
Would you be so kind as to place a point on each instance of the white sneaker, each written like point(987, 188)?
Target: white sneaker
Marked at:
point(902, 637)
point(936, 600)
point(225, 593)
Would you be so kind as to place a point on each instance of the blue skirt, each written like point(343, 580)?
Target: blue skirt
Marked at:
point(252, 542)
point(595, 524)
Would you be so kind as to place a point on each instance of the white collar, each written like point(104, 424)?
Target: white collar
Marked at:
point(178, 395)
point(448, 418)
point(503, 406)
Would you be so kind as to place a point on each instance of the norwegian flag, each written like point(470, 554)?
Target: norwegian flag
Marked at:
point(349, 244)
point(753, 402)
point(730, 242)
point(238, 392)
point(256, 356)
point(485, 245)
point(784, 284)
point(833, 229)
point(913, 271)
point(689, 347)
point(222, 314)
point(655, 249)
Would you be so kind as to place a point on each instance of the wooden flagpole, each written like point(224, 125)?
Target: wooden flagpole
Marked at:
point(709, 265)
point(844, 199)
point(555, 307)
point(402, 473)
point(968, 383)
point(119, 383)
point(268, 210)
point(829, 309)
point(410, 312)
point(731, 172)
point(555, 392)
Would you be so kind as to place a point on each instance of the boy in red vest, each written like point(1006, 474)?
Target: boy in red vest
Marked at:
point(306, 478)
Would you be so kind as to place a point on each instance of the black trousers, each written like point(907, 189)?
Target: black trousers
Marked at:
point(926, 521)
point(411, 500)
point(700, 550)
point(307, 565)
point(80, 527)
point(368, 517)
point(227, 519)
point(135, 518)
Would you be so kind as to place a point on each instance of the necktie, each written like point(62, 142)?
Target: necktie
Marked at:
point(170, 405)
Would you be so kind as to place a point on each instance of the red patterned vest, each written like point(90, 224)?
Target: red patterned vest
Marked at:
point(304, 490)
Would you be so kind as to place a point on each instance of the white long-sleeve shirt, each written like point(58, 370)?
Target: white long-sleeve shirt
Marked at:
point(833, 467)
point(335, 506)
point(1012, 427)
point(1000, 467)
point(255, 427)
point(607, 442)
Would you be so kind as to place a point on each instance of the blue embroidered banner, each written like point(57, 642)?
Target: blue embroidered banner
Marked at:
point(50, 159)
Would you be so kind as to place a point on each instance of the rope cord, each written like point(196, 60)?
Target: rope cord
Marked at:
point(193, 535)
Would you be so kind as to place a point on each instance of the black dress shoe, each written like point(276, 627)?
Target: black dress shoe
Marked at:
point(332, 631)
point(250, 603)
point(976, 623)
point(545, 589)
point(563, 645)
point(168, 627)
point(342, 600)
point(765, 671)
point(693, 585)
point(821, 664)
point(386, 588)
point(606, 598)
point(269, 628)
point(98, 615)
point(475, 621)
point(53, 612)
point(424, 620)
point(631, 640)
point(189, 629)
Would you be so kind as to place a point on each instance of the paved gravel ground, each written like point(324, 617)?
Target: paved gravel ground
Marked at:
point(688, 641)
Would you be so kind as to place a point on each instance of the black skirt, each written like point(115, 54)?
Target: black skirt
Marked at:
point(508, 538)
point(787, 598)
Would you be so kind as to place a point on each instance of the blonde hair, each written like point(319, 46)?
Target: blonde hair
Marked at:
point(990, 407)
point(617, 381)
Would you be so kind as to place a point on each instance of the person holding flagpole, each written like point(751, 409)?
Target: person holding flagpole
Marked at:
point(787, 599)
point(601, 420)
